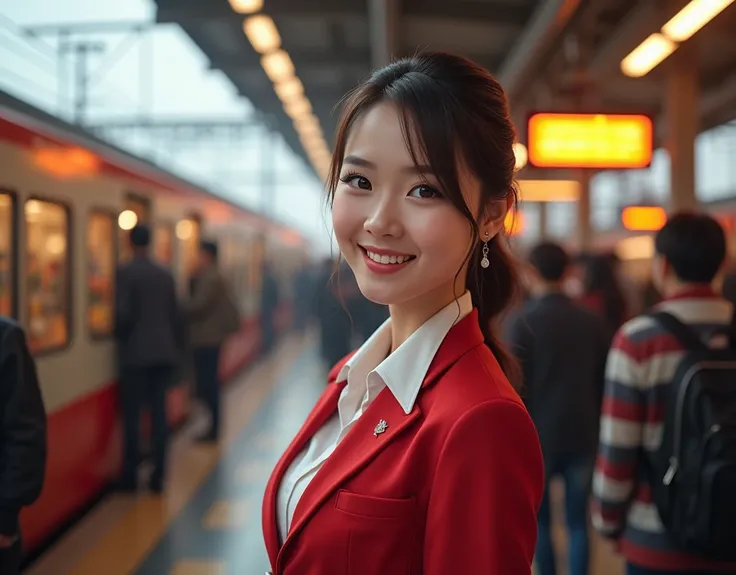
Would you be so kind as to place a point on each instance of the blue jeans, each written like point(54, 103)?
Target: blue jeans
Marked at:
point(577, 472)
point(636, 570)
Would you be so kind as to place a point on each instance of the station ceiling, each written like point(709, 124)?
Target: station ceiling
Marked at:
point(559, 55)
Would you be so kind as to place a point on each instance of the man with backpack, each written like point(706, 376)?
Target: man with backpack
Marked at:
point(665, 480)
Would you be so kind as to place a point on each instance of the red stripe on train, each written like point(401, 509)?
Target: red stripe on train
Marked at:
point(85, 441)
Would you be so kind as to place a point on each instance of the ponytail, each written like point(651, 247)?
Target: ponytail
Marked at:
point(494, 289)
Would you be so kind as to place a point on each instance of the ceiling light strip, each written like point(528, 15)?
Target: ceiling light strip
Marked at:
point(263, 35)
point(680, 28)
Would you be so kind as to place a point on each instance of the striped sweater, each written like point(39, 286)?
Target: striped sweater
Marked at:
point(641, 364)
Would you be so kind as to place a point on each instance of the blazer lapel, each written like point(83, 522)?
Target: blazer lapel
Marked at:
point(365, 440)
point(322, 411)
point(464, 336)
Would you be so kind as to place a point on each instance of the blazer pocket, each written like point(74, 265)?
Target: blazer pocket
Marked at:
point(375, 507)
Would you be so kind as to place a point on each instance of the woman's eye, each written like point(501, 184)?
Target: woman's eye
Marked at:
point(425, 192)
point(355, 181)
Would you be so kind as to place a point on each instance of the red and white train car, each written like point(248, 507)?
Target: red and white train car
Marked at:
point(64, 197)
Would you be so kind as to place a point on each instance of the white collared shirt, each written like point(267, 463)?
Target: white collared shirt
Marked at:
point(370, 370)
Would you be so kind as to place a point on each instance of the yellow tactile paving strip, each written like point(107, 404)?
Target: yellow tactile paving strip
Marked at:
point(228, 514)
point(199, 568)
point(123, 548)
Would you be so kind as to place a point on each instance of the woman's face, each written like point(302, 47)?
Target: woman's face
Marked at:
point(402, 237)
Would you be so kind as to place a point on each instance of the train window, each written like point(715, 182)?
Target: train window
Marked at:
point(188, 231)
point(47, 275)
point(163, 244)
point(100, 273)
point(7, 253)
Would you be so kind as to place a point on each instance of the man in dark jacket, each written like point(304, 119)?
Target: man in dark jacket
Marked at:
point(150, 333)
point(562, 348)
point(22, 440)
point(212, 315)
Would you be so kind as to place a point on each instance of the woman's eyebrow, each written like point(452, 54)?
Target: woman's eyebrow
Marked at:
point(358, 161)
point(363, 163)
point(421, 169)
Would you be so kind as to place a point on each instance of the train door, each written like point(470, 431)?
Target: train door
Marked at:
point(189, 233)
point(163, 244)
point(8, 253)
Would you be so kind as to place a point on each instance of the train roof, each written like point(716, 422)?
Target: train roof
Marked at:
point(31, 123)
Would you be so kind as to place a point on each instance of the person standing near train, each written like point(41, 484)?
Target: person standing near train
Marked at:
point(212, 315)
point(150, 335)
point(22, 440)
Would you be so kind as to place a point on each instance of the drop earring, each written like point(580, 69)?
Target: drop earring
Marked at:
point(484, 263)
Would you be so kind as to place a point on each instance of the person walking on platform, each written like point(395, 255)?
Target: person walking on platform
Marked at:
point(419, 456)
point(562, 349)
point(22, 440)
point(334, 287)
point(269, 308)
point(212, 315)
point(150, 335)
point(665, 480)
point(304, 286)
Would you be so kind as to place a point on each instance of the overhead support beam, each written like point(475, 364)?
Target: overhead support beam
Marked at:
point(717, 105)
point(512, 13)
point(302, 59)
point(683, 124)
point(534, 46)
point(330, 9)
point(350, 58)
point(107, 27)
point(180, 129)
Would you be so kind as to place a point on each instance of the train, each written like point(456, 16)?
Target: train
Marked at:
point(67, 199)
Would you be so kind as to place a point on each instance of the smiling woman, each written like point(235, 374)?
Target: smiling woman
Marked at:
point(420, 456)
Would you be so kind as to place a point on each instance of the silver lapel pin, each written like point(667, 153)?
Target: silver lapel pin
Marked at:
point(380, 428)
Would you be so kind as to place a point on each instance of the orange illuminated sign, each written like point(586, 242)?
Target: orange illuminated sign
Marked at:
point(66, 162)
point(597, 141)
point(643, 218)
point(513, 223)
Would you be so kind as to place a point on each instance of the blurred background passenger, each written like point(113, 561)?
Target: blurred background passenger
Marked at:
point(562, 349)
point(602, 291)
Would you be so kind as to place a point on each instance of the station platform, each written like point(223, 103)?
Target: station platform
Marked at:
point(208, 521)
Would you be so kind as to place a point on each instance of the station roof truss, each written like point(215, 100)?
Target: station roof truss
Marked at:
point(550, 55)
point(329, 43)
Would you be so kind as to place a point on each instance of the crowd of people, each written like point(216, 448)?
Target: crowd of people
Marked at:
point(600, 385)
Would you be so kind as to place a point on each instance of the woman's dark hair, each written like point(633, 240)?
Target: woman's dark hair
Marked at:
point(600, 278)
point(450, 109)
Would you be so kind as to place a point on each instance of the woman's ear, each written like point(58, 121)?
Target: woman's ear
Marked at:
point(495, 217)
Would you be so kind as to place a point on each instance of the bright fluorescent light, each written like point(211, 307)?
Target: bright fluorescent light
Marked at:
point(307, 122)
point(308, 130)
point(521, 155)
point(297, 108)
point(310, 141)
point(246, 6)
point(549, 190)
point(647, 55)
point(317, 148)
point(635, 248)
point(289, 90)
point(262, 33)
point(692, 18)
point(278, 66)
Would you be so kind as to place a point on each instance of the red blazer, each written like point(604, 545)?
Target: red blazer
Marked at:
point(452, 487)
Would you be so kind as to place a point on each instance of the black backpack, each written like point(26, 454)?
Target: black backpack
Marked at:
point(693, 474)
